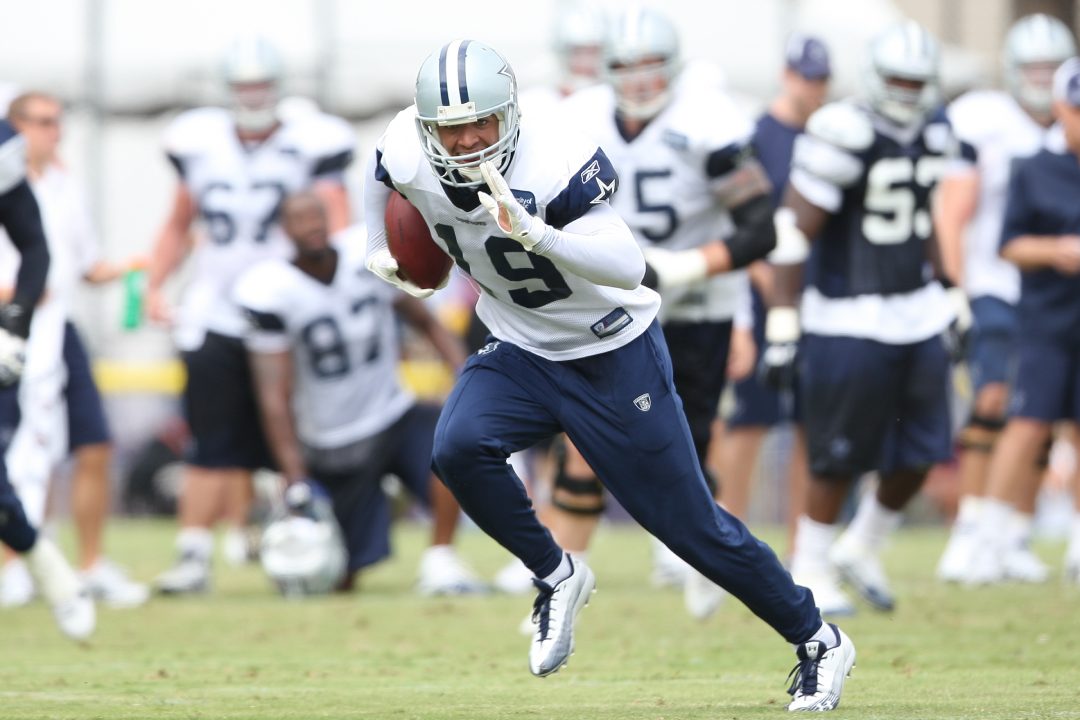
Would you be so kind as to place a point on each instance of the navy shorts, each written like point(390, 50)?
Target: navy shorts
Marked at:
point(757, 404)
point(220, 407)
point(699, 354)
point(873, 406)
point(992, 348)
point(1046, 385)
point(353, 478)
point(85, 411)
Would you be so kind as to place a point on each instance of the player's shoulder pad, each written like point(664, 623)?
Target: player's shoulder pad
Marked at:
point(192, 131)
point(583, 178)
point(266, 286)
point(842, 124)
point(710, 127)
point(595, 102)
point(398, 156)
point(12, 157)
point(329, 141)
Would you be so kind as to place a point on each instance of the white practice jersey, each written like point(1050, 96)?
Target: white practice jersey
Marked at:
point(668, 173)
point(238, 191)
point(525, 298)
point(1001, 132)
point(343, 340)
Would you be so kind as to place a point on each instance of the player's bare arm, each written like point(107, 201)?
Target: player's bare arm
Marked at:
point(448, 345)
point(954, 207)
point(170, 248)
point(273, 374)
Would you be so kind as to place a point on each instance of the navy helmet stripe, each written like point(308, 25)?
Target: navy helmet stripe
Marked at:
point(463, 88)
point(442, 75)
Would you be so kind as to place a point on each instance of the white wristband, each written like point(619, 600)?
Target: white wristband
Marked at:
point(782, 325)
point(792, 247)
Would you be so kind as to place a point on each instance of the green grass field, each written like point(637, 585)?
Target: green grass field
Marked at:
point(242, 652)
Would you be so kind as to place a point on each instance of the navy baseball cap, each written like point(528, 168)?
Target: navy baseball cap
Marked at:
point(808, 56)
point(1067, 82)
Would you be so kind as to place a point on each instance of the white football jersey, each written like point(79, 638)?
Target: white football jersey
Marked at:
point(238, 191)
point(1001, 132)
point(343, 340)
point(525, 298)
point(667, 175)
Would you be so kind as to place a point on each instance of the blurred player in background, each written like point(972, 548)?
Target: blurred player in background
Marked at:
point(758, 407)
point(1002, 126)
point(1041, 235)
point(71, 603)
point(698, 203)
point(575, 347)
point(324, 348)
point(58, 388)
point(874, 370)
point(235, 167)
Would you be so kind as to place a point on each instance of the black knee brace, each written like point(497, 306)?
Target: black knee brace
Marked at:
point(982, 424)
point(588, 494)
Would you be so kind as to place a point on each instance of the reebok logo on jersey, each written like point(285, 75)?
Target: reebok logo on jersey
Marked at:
point(590, 172)
point(490, 347)
point(643, 402)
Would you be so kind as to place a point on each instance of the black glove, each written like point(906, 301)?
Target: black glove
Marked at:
point(14, 329)
point(776, 369)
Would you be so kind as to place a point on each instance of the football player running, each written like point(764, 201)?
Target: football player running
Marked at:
point(324, 348)
point(874, 371)
point(70, 600)
point(699, 206)
point(1002, 126)
point(575, 347)
point(235, 167)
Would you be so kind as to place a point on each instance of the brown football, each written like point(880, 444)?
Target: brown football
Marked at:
point(419, 259)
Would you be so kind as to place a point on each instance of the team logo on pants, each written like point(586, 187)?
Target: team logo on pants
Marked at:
point(643, 402)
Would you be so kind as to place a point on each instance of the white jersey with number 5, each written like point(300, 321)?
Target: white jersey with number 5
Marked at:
point(1001, 132)
point(237, 190)
point(343, 340)
point(525, 298)
point(668, 174)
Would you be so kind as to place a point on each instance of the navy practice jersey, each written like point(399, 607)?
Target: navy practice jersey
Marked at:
point(1042, 200)
point(773, 143)
point(876, 182)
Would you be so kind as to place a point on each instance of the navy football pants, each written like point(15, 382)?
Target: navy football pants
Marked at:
point(15, 530)
point(621, 411)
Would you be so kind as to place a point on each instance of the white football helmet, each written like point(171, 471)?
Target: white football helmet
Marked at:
point(902, 81)
point(252, 70)
point(642, 59)
point(578, 43)
point(1034, 47)
point(462, 82)
point(303, 553)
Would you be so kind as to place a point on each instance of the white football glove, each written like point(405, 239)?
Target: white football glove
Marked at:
point(12, 357)
point(676, 269)
point(383, 264)
point(512, 217)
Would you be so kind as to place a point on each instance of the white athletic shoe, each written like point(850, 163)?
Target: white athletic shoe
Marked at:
point(830, 599)
point(109, 584)
point(190, 574)
point(514, 579)
point(986, 567)
point(861, 569)
point(554, 613)
point(817, 681)
point(702, 596)
point(954, 562)
point(1024, 566)
point(443, 572)
point(669, 570)
point(16, 585)
point(71, 603)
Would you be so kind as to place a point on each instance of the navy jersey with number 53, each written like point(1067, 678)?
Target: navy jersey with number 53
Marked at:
point(876, 181)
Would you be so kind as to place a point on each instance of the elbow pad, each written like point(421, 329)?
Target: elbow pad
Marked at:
point(755, 234)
